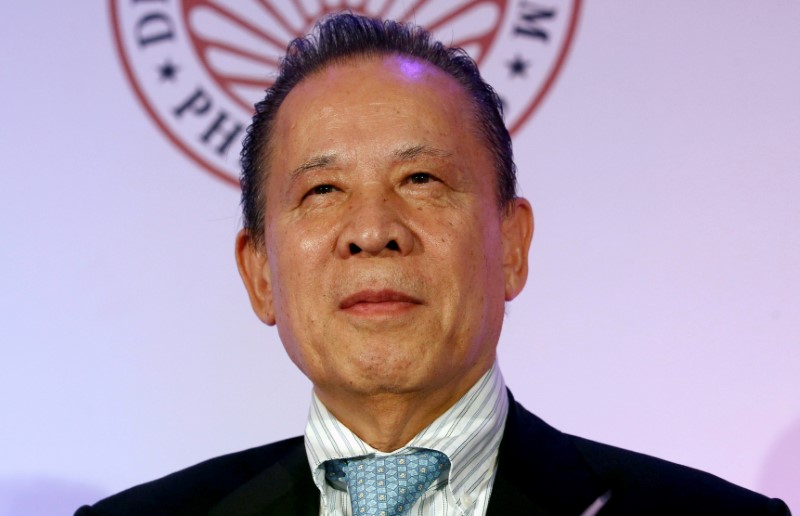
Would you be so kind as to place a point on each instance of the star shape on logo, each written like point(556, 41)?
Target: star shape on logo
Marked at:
point(168, 71)
point(518, 66)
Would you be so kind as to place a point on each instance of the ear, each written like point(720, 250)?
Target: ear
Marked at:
point(517, 231)
point(254, 270)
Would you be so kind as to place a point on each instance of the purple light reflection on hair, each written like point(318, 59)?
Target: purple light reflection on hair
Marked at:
point(410, 67)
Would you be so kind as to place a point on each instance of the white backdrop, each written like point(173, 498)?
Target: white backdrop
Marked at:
point(662, 313)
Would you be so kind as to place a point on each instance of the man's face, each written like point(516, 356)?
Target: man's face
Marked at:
point(387, 260)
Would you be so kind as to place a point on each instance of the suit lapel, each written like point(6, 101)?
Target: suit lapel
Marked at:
point(283, 488)
point(540, 471)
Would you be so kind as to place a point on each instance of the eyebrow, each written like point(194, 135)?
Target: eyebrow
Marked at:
point(320, 161)
point(408, 153)
point(415, 151)
point(314, 162)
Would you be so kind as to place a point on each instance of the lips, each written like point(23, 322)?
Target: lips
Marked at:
point(366, 298)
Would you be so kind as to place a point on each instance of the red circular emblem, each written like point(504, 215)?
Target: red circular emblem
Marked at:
point(198, 66)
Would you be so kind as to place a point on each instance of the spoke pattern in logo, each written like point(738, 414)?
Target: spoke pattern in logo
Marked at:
point(198, 66)
point(238, 42)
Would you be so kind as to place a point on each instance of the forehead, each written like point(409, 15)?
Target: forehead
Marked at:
point(374, 100)
point(382, 76)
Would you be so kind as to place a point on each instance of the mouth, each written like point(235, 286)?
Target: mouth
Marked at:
point(377, 302)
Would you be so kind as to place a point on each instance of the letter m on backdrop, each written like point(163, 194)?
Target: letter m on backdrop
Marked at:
point(531, 15)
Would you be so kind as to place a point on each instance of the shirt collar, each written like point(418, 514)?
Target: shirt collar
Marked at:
point(468, 432)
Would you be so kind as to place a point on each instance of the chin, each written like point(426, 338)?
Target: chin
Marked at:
point(387, 378)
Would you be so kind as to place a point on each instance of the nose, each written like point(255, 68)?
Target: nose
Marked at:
point(374, 226)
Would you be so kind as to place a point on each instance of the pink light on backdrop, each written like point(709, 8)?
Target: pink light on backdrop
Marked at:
point(779, 474)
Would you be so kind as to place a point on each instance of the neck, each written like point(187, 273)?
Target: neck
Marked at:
point(387, 421)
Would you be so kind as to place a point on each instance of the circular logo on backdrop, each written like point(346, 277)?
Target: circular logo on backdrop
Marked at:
point(198, 66)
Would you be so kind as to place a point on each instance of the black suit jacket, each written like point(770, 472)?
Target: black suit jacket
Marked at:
point(541, 471)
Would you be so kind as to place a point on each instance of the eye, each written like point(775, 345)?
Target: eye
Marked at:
point(321, 190)
point(420, 178)
point(317, 193)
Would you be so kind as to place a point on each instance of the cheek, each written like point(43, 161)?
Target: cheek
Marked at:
point(299, 258)
point(300, 246)
point(459, 265)
point(312, 244)
point(310, 237)
point(493, 245)
point(482, 259)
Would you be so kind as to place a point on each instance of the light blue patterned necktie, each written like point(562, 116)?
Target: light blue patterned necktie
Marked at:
point(387, 485)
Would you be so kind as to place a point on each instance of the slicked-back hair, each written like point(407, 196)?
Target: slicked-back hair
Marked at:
point(344, 37)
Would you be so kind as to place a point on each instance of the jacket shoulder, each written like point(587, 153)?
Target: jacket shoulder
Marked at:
point(635, 483)
point(198, 488)
point(642, 482)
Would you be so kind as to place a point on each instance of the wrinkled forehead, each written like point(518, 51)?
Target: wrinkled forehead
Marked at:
point(367, 85)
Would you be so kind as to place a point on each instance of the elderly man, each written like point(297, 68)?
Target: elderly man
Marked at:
point(383, 237)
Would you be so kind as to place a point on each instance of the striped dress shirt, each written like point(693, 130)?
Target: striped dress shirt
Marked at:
point(469, 433)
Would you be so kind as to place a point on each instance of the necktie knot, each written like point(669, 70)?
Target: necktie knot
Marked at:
point(387, 485)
